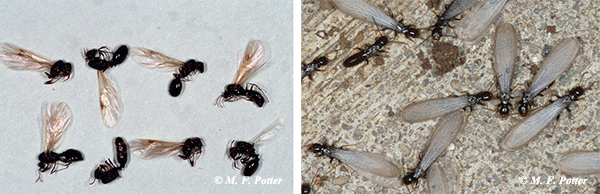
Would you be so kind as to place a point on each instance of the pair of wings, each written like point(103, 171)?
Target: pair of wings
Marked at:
point(248, 64)
point(154, 60)
point(110, 103)
point(57, 119)
point(20, 59)
point(148, 148)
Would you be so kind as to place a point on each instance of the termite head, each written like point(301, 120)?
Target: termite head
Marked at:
point(382, 40)
point(576, 92)
point(411, 31)
point(436, 33)
point(319, 149)
point(321, 61)
point(523, 107)
point(483, 96)
point(504, 107)
point(409, 178)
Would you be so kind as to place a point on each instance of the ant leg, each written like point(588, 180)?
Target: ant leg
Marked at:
point(39, 176)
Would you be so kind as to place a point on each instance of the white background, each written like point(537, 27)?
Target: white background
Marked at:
point(209, 31)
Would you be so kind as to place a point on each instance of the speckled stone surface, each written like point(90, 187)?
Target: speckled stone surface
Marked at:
point(362, 105)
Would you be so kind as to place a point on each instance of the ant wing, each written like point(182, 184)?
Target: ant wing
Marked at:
point(270, 132)
point(151, 59)
point(148, 148)
point(110, 103)
point(251, 61)
point(58, 119)
point(20, 59)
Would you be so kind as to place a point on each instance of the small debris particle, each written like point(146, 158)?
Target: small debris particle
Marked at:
point(581, 128)
point(341, 180)
point(551, 29)
point(425, 64)
point(446, 57)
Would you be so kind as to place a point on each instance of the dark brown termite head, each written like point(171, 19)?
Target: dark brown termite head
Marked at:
point(576, 92)
point(320, 149)
point(411, 31)
point(436, 33)
point(409, 178)
point(382, 40)
point(504, 108)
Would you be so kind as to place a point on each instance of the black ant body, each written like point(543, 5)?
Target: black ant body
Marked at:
point(312, 67)
point(50, 160)
point(251, 62)
point(101, 59)
point(190, 67)
point(192, 148)
point(366, 53)
point(122, 154)
point(109, 172)
point(59, 70)
point(235, 92)
point(245, 153)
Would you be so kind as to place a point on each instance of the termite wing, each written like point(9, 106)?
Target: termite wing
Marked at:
point(527, 128)
point(558, 61)
point(368, 12)
point(579, 163)
point(380, 169)
point(445, 133)
point(110, 103)
point(477, 22)
point(443, 180)
point(434, 108)
point(505, 57)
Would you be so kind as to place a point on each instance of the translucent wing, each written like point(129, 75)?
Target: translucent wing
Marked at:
point(20, 59)
point(270, 132)
point(251, 62)
point(148, 148)
point(151, 59)
point(110, 104)
point(58, 119)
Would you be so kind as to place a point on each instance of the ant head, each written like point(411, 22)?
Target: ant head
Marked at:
point(67, 68)
point(196, 141)
point(90, 54)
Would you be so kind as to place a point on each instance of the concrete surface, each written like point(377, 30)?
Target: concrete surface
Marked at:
point(362, 105)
